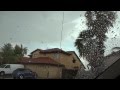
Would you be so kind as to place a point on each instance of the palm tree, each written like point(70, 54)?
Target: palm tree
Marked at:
point(91, 45)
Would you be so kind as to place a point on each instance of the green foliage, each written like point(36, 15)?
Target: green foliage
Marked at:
point(91, 45)
point(9, 54)
point(19, 50)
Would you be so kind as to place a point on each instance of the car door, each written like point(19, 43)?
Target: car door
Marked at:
point(7, 69)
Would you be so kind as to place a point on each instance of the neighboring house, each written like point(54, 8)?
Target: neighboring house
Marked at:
point(45, 67)
point(111, 58)
point(112, 67)
point(69, 59)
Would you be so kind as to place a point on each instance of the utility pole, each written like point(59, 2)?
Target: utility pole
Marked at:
point(62, 32)
point(61, 41)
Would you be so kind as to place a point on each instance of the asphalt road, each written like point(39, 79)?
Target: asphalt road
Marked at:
point(6, 77)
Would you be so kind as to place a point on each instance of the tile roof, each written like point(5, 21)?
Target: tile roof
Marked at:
point(53, 50)
point(40, 60)
point(110, 59)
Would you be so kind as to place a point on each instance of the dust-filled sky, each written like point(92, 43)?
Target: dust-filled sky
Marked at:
point(42, 29)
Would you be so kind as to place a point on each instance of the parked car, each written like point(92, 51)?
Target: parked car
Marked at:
point(24, 74)
point(9, 68)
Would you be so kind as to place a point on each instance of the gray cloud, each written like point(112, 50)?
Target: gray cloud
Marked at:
point(34, 26)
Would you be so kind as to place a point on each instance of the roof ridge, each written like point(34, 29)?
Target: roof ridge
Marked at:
point(51, 48)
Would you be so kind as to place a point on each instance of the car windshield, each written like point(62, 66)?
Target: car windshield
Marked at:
point(61, 44)
point(2, 66)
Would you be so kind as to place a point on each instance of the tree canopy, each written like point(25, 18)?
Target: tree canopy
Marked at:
point(10, 54)
point(91, 45)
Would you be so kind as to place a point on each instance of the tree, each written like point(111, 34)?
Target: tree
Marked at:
point(7, 53)
point(82, 74)
point(11, 54)
point(20, 51)
point(91, 45)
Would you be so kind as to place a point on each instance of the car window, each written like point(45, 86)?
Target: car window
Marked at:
point(2, 66)
point(72, 44)
point(20, 69)
point(8, 66)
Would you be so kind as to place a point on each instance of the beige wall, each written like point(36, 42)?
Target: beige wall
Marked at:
point(64, 59)
point(78, 62)
point(68, 61)
point(46, 71)
point(36, 54)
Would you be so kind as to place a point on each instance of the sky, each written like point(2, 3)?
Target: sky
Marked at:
point(42, 29)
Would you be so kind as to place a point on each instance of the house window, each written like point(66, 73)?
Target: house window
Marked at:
point(74, 60)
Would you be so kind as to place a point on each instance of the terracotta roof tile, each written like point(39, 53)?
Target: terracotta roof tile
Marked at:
point(53, 50)
point(40, 60)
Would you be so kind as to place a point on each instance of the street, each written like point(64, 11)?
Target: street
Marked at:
point(6, 77)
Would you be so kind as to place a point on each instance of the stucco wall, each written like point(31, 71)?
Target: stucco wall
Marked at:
point(46, 71)
point(64, 59)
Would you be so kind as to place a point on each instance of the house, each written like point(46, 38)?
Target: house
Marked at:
point(76, 58)
point(69, 59)
point(45, 67)
point(53, 63)
point(112, 67)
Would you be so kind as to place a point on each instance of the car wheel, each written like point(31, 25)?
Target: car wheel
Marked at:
point(21, 77)
point(2, 73)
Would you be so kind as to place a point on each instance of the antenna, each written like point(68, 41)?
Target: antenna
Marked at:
point(62, 31)
point(61, 40)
